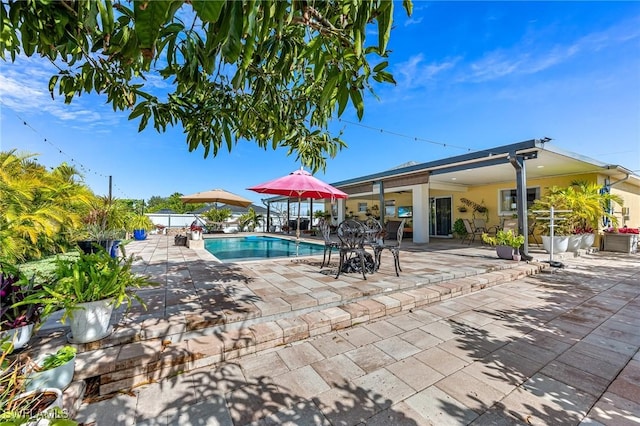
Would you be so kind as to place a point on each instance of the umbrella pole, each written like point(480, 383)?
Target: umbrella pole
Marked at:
point(298, 230)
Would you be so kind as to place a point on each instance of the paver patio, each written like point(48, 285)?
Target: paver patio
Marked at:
point(559, 347)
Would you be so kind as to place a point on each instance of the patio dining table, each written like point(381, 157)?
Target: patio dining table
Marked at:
point(354, 236)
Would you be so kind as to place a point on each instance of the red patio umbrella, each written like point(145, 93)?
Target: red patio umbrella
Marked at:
point(301, 184)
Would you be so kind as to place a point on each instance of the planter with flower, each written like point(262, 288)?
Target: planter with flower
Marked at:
point(507, 244)
point(587, 236)
point(88, 289)
point(624, 240)
point(587, 203)
point(17, 322)
point(20, 406)
point(196, 232)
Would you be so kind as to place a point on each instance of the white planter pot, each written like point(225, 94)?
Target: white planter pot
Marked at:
point(41, 417)
point(560, 244)
point(90, 322)
point(574, 242)
point(58, 377)
point(19, 336)
point(587, 241)
point(196, 235)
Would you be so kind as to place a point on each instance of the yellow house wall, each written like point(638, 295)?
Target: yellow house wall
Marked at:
point(401, 199)
point(489, 195)
point(630, 194)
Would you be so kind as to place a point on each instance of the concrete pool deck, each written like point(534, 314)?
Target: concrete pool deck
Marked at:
point(284, 340)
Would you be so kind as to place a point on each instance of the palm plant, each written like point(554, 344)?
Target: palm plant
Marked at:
point(218, 216)
point(587, 202)
point(250, 220)
point(40, 207)
point(591, 203)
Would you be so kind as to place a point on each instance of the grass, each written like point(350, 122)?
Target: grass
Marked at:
point(45, 267)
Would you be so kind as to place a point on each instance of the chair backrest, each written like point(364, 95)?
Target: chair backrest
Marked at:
point(351, 233)
point(479, 224)
point(510, 225)
point(373, 231)
point(325, 230)
point(401, 231)
point(392, 228)
point(467, 226)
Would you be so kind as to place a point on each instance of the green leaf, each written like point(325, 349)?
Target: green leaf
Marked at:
point(385, 19)
point(149, 17)
point(208, 10)
point(233, 46)
point(380, 66)
point(52, 84)
point(356, 98)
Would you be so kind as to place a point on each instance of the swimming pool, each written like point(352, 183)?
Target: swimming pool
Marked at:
point(258, 247)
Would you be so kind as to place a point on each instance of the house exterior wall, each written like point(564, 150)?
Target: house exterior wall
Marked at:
point(631, 197)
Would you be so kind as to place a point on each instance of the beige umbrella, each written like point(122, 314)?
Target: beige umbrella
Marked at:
point(217, 196)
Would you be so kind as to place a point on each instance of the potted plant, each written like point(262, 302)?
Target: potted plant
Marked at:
point(196, 231)
point(88, 289)
point(95, 238)
point(506, 242)
point(17, 322)
point(53, 370)
point(585, 203)
point(18, 406)
point(139, 224)
point(459, 229)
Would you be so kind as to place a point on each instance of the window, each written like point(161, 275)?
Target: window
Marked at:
point(508, 199)
point(362, 207)
point(390, 208)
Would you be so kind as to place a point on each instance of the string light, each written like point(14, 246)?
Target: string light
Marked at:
point(415, 138)
point(77, 164)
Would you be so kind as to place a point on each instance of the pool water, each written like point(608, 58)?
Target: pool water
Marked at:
point(258, 247)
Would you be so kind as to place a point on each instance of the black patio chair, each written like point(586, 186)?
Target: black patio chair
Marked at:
point(352, 234)
point(325, 229)
point(393, 247)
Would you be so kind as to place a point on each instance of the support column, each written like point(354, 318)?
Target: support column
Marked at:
point(420, 200)
point(341, 209)
point(517, 161)
point(380, 186)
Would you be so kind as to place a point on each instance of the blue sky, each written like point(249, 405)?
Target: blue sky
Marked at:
point(471, 75)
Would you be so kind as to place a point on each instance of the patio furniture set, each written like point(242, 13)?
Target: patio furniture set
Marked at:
point(354, 237)
point(477, 227)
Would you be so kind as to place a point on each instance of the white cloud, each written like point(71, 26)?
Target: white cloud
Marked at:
point(24, 89)
point(415, 73)
point(531, 56)
point(412, 21)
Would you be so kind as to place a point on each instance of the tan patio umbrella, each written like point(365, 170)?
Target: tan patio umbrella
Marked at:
point(217, 196)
